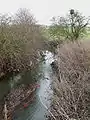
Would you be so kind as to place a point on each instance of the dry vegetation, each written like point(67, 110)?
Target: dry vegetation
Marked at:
point(72, 91)
point(20, 41)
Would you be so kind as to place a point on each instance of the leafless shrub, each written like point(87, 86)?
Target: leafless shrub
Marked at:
point(20, 41)
point(72, 90)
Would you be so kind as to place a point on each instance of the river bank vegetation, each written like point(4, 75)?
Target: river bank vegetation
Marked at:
point(71, 99)
point(72, 88)
point(21, 41)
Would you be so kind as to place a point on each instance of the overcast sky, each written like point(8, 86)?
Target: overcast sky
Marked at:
point(44, 10)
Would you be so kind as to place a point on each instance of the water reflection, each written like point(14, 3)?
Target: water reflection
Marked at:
point(43, 74)
point(14, 80)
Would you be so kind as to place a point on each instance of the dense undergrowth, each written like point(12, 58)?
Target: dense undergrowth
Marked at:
point(21, 41)
point(71, 99)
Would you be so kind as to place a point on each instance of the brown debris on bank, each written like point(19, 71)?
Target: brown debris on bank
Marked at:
point(18, 98)
point(71, 96)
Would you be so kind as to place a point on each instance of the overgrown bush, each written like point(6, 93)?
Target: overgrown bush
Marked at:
point(20, 41)
point(72, 91)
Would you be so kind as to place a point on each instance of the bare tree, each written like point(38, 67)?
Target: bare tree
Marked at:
point(71, 27)
point(24, 16)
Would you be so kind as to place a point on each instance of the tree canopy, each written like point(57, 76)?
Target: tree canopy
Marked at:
point(72, 26)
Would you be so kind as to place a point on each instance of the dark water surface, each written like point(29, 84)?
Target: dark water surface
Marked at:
point(43, 74)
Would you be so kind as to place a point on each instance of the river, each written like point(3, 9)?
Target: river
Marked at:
point(37, 110)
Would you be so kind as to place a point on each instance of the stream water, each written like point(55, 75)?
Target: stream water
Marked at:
point(43, 75)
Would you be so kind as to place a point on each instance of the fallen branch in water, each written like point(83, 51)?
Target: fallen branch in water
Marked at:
point(5, 111)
